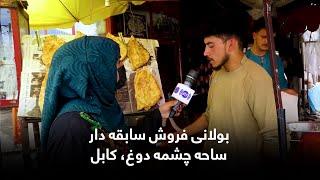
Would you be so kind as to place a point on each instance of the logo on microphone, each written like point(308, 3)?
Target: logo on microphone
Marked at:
point(176, 90)
point(183, 93)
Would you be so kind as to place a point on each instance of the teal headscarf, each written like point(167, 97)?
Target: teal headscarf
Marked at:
point(82, 77)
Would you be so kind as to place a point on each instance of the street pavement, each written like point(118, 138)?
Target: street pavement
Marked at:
point(10, 152)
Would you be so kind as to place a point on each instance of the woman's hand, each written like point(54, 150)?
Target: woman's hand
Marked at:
point(165, 109)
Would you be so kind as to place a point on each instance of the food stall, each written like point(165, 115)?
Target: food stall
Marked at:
point(305, 125)
point(37, 52)
point(14, 23)
point(306, 132)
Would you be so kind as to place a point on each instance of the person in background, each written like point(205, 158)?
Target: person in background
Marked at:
point(259, 53)
point(83, 78)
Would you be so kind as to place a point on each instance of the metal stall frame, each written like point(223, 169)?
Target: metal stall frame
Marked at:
point(16, 10)
point(277, 93)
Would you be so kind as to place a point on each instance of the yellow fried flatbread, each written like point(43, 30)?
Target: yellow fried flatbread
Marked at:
point(79, 34)
point(138, 55)
point(122, 46)
point(50, 45)
point(147, 91)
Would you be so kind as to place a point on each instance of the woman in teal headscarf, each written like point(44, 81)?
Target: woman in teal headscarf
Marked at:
point(82, 78)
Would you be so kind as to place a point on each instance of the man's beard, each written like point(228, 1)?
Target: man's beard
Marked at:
point(224, 61)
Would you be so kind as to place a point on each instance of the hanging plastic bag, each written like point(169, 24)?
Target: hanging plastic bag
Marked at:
point(314, 97)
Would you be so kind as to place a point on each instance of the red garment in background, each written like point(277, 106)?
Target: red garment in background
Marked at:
point(309, 147)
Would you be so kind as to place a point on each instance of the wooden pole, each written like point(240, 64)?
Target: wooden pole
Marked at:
point(276, 87)
point(109, 25)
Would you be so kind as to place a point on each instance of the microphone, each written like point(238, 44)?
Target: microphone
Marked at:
point(183, 92)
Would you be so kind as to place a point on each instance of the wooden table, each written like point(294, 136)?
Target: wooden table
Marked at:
point(25, 137)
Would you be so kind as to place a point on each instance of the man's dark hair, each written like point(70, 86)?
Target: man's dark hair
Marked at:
point(260, 24)
point(224, 30)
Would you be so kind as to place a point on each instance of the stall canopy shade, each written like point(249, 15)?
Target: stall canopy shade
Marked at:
point(293, 15)
point(300, 18)
point(259, 3)
point(46, 14)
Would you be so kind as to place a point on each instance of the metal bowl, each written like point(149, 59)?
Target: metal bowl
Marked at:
point(304, 126)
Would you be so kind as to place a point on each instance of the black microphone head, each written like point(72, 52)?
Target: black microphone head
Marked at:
point(191, 77)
